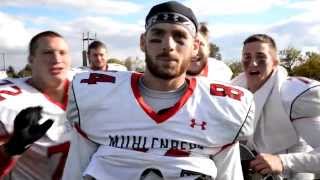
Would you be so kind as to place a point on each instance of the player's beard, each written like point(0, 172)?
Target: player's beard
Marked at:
point(157, 70)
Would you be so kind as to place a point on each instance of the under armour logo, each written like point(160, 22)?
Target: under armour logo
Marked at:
point(202, 124)
point(165, 17)
point(175, 18)
point(154, 19)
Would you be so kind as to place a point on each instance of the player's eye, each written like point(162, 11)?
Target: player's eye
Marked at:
point(246, 58)
point(63, 52)
point(261, 58)
point(47, 52)
point(180, 37)
point(154, 40)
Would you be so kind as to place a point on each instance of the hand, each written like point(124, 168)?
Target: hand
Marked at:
point(267, 164)
point(26, 130)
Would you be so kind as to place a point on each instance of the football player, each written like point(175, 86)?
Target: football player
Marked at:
point(206, 66)
point(98, 58)
point(287, 113)
point(160, 124)
point(34, 132)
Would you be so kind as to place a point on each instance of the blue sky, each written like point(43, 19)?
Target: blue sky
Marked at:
point(293, 23)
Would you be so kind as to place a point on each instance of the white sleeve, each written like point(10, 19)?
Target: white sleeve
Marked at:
point(79, 156)
point(301, 162)
point(228, 163)
point(228, 72)
point(309, 130)
point(303, 98)
point(218, 70)
point(224, 72)
point(81, 148)
point(249, 124)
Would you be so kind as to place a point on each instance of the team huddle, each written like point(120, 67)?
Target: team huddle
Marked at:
point(182, 118)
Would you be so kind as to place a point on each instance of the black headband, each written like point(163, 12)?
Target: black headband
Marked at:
point(172, 12)
point(174, 18)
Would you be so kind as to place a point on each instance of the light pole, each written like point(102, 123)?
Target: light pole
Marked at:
point(4, 60)
point(86, 40)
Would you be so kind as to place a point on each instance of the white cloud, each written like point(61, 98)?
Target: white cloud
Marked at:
point(315, 49)
point(302, 35)
point(122, 39)
point(13, 34)
point(223, 29)
point(300, 31)
point(306, 4)
point(307, 11)
point(104, 26)
point(14, 38)
point(232, 7)
point(94, 6)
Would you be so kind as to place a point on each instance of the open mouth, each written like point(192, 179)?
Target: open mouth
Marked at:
point(195, 59)
point(56, 70)
point(253, 73)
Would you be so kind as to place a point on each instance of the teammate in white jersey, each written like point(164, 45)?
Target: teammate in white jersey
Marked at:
point(3, 74)
point(32, 111)
point(160, 124)
point(98, 58)
point(206, 66)
point(287, 113)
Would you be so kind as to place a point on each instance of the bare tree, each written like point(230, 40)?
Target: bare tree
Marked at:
point(214, 51)
point(289, 58)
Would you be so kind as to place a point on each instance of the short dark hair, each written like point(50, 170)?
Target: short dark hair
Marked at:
point(33, 44)
point(95, 45)
point(204, 30)
point(263, 38)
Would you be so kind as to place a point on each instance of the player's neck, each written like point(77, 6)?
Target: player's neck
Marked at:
point(55, 92)
point(104, 68)
point(159, 84)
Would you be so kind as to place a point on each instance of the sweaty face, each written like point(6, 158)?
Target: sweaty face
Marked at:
point(98, 58)
point(50, 61)
point(169, 49)
point(200, 60)
point(259, 60)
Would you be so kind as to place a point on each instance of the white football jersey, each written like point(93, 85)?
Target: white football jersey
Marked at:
point(45, 159)
point(129, 139)
point(289, 122)
point(301, 97)
point(216, 70)
point(110, 67)
point(116, 67)
point(3, 74)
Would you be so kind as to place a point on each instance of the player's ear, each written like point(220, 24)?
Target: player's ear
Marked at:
point(276, 59)
point(143, 42)
point(196, 46)
point(30, 59)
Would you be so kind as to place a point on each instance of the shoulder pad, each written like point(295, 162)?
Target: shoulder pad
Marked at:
point(303, 96)
point(116, 67)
